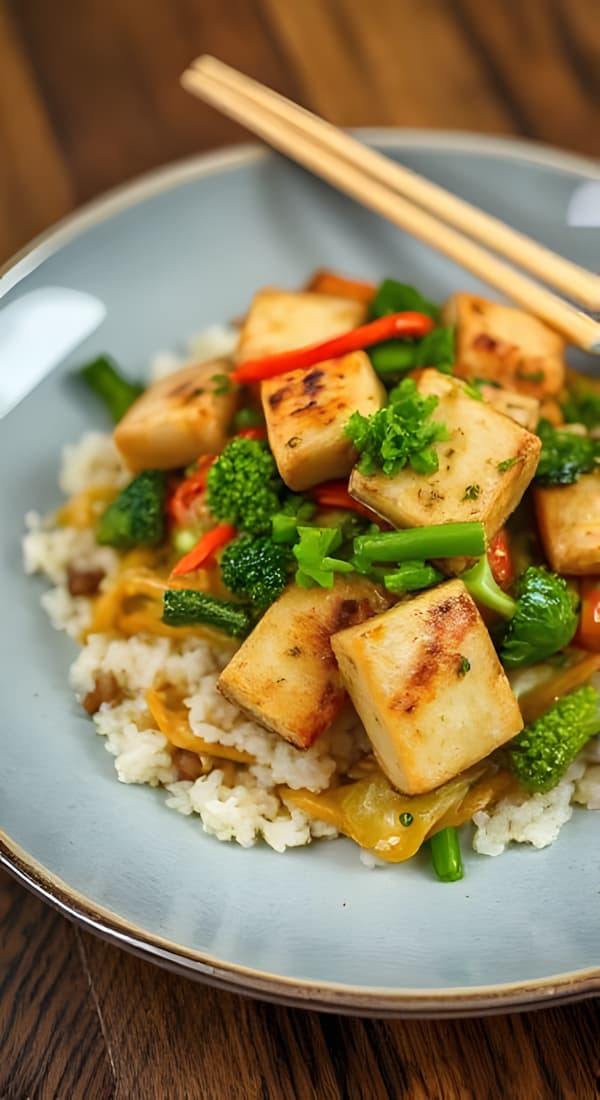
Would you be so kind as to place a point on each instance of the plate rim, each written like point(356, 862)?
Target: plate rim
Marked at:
point(447, 1002)
point(329, 996)
point(175, 174)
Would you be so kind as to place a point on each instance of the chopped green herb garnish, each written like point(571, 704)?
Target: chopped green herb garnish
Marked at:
point(508, 463)
point(472, 390)
point(472, 492)
point(402, 433)
point(406, 819)
point(530, 376)
point(464, 665)
point(221, 384)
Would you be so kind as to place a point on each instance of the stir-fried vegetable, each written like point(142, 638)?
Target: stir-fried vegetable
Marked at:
point(444, 540)
point(189, 607)
point(334, 494)
point(400, 433)
point(201, 554)
point(396, 324)
point(247, 417)
point(256, 568)
point(136, 516)
point(315, 566)
point(446, 856)
point(394, 297)
point(328, 521)
point(411, 576)
point(117, 392)
point(394, 357)
point(296, 509)
point(541, 754)
point(582, 406)
point(484, 589)
point(543, 616)
point(565, 455)
point(244, 487)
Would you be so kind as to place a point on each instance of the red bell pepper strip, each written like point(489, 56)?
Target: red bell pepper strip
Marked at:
point(384, 328)
point(588, 631)
point(204, 549)
point(334, 494)
point(500, 559)
point(328, 282)
point(252, 433)
point(188, 490)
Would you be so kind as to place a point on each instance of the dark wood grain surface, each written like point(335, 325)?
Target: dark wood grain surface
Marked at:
point(89, 98)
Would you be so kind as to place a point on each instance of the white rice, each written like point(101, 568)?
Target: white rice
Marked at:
point(214, 342)
point(93, 460)
point(250, 807)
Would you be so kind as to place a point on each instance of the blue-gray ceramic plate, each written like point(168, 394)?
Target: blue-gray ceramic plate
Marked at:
point(168, 255)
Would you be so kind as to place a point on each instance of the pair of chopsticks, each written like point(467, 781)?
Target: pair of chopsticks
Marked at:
point(420, 207)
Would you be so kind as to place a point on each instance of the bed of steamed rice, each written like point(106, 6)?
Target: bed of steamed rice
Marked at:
point(249, 807)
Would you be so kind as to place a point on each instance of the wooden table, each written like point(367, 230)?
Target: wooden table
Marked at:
point(88, 98)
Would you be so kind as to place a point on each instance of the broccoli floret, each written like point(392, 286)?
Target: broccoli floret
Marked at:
point(540, 755)
point(542, 618)
point(136, 516)
point(118, 393)
point(256, 568)
point(244, 487)
point(545, 618)
point(399, 434)
point(564, 455)
point(315, 566)
point(189, 607)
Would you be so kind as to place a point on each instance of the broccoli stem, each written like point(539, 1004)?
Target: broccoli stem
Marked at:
point(483, 588)
point(135, 517)
point(445, 540)
point(445, 855)
point(117, 392)
point(411, 577)
point(188, 607)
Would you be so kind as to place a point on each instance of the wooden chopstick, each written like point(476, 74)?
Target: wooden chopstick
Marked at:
point(212, 81)
point(575, 282)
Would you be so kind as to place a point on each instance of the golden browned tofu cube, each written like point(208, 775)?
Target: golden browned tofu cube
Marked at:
point(522, 408)
point(279, 320)
point(427, 683)
point(178, 418)
point(306, 413)
point(284, 675)
point(506, 345)
point(484, 467)
point(569, 521)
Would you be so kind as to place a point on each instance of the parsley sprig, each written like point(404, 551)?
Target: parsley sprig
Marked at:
point(402, 433)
